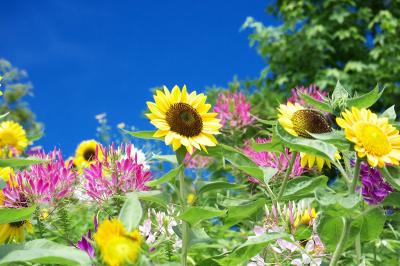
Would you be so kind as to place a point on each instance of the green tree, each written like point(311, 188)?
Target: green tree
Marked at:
point(354, 41)
point(15, 87)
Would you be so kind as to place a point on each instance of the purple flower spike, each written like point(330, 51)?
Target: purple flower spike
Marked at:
point(374, 187)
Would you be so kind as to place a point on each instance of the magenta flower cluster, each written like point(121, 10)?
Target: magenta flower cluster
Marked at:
point(117, 172)
point(234, 110)
point(271, 159)
point(312, 91)
point(44, 183)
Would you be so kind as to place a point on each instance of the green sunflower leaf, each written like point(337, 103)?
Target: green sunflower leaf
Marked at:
point(165, 178)
point(42, 251)
point(308, 146)
point(21, 162)
point(218, 185)
point(194, 215)
point(366, 100)
point(142, 134)
point(323, 106)
point(131, 212)
point(10, 215)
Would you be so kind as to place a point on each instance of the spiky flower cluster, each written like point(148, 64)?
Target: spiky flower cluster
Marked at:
point(312, 91)
point(46, 183)
point(233, 109)
point(118, 171)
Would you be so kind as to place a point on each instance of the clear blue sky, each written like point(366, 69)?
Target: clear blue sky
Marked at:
point(89, 57)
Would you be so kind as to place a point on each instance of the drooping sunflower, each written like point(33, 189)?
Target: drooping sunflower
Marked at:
point(85, 153)
point(183, 119)
point(116, 245)
point(12, 138)
point(374, 138)
point(300, 121)
point(14, 231)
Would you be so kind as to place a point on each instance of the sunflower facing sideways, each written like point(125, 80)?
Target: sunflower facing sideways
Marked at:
point(300, 121)
point(183, 119)
point(85, 153)
point(13, 139)
point(373, 137)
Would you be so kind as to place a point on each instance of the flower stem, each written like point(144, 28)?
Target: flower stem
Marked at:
point(287, 174)
point(180, 155)
point(358, 248)
point(342, 241)
point(355, 176)
point(40, 225)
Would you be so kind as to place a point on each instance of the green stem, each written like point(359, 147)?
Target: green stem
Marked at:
point(358, 248)
point(40, 225)
point(356, 176)
point(342, 241)
point(180, 155)
point(287, 175)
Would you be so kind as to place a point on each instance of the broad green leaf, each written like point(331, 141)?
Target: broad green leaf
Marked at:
point(243, 253)
point(390, 113)
point(42, 251)
point(371, 224)
point(155, 196)
point(197, 236)
point(309, 146)
point(329, 229)
point(303, 186)
point(238, 214)
point(10, 215)
point(365, 100)
point(218, 185)
point(194, 215)
point(337, 203)
point(20, 162)
point(323, 106)
point(392, 200)
point(274, 146)
point(165, 178)
point(142, 134)
point(131, 212)
point(335, 137)
point(266, 122)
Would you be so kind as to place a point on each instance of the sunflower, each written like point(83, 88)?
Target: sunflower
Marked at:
point(299, 121)
point(5, 174)
point(14, 231)
point(373, 137)
point(116, 245)
point(85, 153)
point(183, 119)
point(12, 138)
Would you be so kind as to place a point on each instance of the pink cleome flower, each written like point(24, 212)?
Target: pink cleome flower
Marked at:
point(45, 183)
point(271, 159)
point(233, 110)
point(117, 171)
point(312, 91)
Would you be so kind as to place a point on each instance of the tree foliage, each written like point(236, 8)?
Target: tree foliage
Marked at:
point(354, 41)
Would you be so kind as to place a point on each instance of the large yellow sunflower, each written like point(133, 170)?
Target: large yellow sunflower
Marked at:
point(14, 231)
point(117, 246)
point(183, 119)
point(85, 153)
point(12, 138)
point(299, 122)
point(373, 137)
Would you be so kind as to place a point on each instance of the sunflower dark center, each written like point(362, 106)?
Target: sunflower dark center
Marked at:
point(89, 154)
point(17, 224)
point(184, 120)
point(311, 121)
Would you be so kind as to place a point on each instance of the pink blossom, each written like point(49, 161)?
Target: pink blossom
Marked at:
point(312, 91)
point(271, 159)
point(44, 183)
point(117, 171)
point(233, 110)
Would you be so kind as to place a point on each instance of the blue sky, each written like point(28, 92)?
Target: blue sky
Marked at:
point(89, 57)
